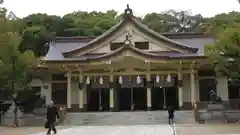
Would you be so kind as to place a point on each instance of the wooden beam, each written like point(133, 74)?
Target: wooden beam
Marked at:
point(136, 73)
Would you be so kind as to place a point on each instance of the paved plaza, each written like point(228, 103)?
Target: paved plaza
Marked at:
point(196, 129)
point(208, 129)
point(115, 130)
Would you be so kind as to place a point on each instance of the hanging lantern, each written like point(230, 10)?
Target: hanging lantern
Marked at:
point(157, 79)
point(120, 79)
point(169, 79)
point(88, 80)
point(138, 79)
point(101, 80)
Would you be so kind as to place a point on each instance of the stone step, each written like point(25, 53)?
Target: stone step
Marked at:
point(127, 118)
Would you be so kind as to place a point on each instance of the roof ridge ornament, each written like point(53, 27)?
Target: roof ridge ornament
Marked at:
point(128, 40)
point(128, 11)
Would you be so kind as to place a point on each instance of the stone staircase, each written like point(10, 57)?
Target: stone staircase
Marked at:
point(127, 118)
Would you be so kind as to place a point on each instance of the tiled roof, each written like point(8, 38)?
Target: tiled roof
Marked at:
point(53, 54)
point(68, 46)
point(196, 43)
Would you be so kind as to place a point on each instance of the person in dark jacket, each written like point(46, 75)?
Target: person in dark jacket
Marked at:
point(171, 111)
point(52, 114)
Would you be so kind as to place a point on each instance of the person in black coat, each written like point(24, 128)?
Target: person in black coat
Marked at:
point(52, 114)
point(171, 111)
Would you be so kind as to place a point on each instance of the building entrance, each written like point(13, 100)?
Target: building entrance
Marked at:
point(98, 99)
point(139, 98)
point(158, 98)
point(131, 99)
point(124, 99)
point(164, 97)
point(171, 97)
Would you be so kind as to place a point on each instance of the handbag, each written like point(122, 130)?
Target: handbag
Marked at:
point(46, 125)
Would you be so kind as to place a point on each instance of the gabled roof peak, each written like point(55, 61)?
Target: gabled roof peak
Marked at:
point(129, 17)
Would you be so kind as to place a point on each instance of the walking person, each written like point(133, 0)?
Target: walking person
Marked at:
point(52, 114)
point(171, 111)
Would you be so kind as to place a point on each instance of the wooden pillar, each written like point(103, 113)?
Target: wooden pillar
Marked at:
point(192, 81)
point(111, 96)
point(149, 87)
point(180, 88)
point(80, 92)
point(149, 92)
point(69, 89)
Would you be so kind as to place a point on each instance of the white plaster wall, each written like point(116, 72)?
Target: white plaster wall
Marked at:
point(47, 92)
point(222, 87)
point(75, 93)
point(187, 88)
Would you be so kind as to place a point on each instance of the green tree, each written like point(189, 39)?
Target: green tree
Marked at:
point(38, 30)
point(15, 67)
point(35, 38)
point(173, 21)
point(225, 53)
point(219, 23)
point(93, 23)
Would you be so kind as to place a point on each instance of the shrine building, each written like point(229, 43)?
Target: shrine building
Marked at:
point(130, 67)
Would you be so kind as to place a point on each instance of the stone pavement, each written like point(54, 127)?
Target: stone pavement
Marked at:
point(22, 130)
point(115, 130)
point(196, 129)
point(208, 129)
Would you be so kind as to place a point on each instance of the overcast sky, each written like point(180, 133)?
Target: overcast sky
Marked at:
point(140, 7)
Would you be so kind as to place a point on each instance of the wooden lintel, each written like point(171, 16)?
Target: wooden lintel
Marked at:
point(135, 73)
